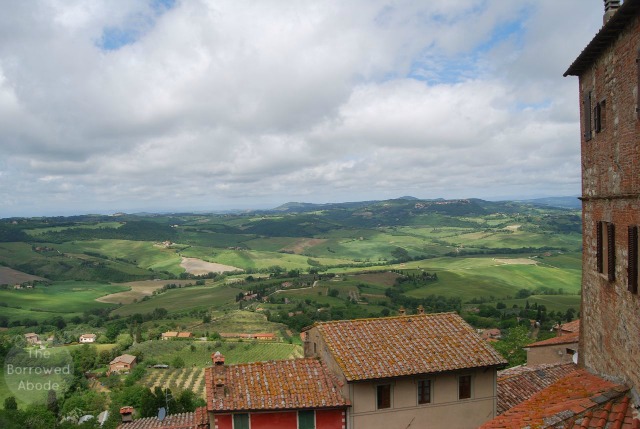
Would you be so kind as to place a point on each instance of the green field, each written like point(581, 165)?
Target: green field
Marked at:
point(59, 299)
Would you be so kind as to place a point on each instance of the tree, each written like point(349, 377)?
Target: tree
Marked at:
point(52, 402)
point(10, 403)
point(511, 345)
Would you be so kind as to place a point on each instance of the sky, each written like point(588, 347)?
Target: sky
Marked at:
point(207, 105)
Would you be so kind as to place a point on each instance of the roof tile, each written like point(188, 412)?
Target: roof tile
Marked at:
point(406, 345)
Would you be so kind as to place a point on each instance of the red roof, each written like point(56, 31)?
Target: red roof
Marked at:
point(274, 385)
point(123, 358)
point(561, 339)
point(519, 383)
point(406, 345)
point(196, 420)
point(570, 326)
point(578, 399)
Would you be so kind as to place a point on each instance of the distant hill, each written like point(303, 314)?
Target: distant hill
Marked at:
point(563, 202)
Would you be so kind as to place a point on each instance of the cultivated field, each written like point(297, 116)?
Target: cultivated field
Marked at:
point(12, 277)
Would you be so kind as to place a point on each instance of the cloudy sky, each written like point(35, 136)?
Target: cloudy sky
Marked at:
point(176, 105)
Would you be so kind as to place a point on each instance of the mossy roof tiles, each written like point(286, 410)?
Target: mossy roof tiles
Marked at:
point(386, 347)
point(275, 385)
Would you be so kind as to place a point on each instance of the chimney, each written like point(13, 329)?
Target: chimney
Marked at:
point(219, 375)
point(127, 414)
point(610, 8)
point(420, 309)
point(402, 311)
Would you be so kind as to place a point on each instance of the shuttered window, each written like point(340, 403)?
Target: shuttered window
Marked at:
point(241, 421)
point(383, 396)
point(606, 249)
point(306, 419)
point(632, 268)
point(586, 110)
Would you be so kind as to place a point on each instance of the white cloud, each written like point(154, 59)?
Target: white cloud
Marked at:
point(218, 104)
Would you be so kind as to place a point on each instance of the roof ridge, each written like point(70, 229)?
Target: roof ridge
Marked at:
point(399, 316)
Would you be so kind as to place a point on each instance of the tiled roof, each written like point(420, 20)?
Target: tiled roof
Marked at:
point(571, 326)
point(518, 384)
point(196, 420)
point(561, 339)
point(124, 358)
point(406, 345)
point(575, 400)
point(275, 385)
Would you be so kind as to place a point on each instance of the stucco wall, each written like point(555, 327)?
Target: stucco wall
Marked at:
point(446, 410)
point(556, 353)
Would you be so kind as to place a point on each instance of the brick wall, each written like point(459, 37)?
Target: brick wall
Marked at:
point(610, 320)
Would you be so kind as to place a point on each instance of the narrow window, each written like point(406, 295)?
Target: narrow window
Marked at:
point(383, 396)
point(464, 387)
point(306, 419)
point(632, 268)
point(638, 84)
point(424, 391)
point(586, 110)
point(600, 116)
point(241, 421)
point(606, 250)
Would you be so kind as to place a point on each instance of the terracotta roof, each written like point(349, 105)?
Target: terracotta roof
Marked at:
point(607, 34)
point(570, 326)
point(170, 334)
point(123, 358)
point(275, 385)
point(519, 383)
point(185, 335)
point(406, 345)
point(572, 401)
point(196, 420)
point(561, 339)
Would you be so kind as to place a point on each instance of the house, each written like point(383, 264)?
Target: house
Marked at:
point(123, 363)
point(603, 392)
point(285, 394)
point(562, 348)
point(404, 369)
point(169, 335)
point(87, 338)
point(32, 339)
point(491, 334)
point(183, 335)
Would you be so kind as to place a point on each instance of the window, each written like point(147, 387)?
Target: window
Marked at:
point(241, 421)
point(606, 251)
point(638, 83)
point(424, 391)
point(383, 396)
point(586, 111)
point(307, 419)
point(632, 268)
point(600, 116)
point(464, 387)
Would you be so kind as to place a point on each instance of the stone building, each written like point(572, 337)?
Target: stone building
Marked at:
point(609, 81)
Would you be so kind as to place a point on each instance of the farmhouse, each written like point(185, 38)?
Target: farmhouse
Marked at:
point(170, 335)
point(397, 370)
point(32, 338)
point(87, 338)
point(123, 363)
point(286, 394)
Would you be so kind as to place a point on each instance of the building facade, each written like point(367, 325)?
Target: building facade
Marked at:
point(425, 370)
point(609, 83)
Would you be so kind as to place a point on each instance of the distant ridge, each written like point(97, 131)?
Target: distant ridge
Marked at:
point(563, 202)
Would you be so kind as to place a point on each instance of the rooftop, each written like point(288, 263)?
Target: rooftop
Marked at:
point(274, 385)
point(519, 383)
point(406, 345)
point(607, 34)
point(123, 358)
point(561, 339)
point(573, 326)
point(196, 420)
point(578, 400)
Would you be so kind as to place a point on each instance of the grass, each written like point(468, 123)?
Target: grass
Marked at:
point(58, 299)
point(195, 297)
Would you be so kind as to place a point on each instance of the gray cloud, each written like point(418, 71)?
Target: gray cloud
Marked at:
point(116, 105)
